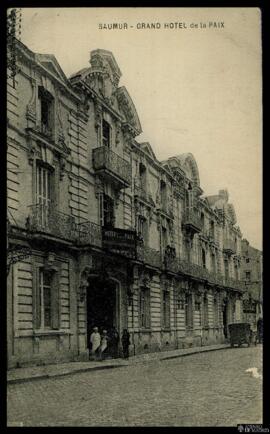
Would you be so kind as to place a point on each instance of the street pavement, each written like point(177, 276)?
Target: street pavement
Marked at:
point(203, 389)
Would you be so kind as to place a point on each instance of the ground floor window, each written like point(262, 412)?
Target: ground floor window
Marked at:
point(188, 311)
point(145, 308)
point(46, 300)
point(216, 311)
point(198, 310)
point(205, 311)
point(166, 309)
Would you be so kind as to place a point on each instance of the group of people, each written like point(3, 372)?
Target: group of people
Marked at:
point(108, 343)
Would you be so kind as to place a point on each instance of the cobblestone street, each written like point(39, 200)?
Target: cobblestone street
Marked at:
point(207, 389)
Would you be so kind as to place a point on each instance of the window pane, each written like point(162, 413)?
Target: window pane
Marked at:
point(46, 278)
point(47, 306)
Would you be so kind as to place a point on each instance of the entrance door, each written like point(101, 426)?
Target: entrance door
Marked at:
point(225, 328)
point(101, 305)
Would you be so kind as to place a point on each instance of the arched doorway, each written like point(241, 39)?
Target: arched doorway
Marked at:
point(102, 305)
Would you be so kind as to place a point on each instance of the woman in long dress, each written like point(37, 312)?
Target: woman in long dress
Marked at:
point(104, 344)
point(95, 341)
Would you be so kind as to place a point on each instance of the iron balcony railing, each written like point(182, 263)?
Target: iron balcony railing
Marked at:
point(45, 219)
point(149, 256)
point(235, 284)
point(143, 194)
point(229, 246)
point(192, 220)
point(104, 159)
point(89, 233)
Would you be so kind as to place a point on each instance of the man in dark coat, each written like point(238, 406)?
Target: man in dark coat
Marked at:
point(125, 343)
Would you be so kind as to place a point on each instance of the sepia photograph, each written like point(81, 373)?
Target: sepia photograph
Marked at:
point(134, 217)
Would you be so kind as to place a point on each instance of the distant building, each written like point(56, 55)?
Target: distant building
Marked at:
point(100, 232)
point(252, 274)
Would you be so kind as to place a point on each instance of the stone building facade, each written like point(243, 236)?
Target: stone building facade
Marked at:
point(101, 233)
point(252, 275)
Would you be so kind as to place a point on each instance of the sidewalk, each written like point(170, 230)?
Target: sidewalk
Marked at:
point(20, 375)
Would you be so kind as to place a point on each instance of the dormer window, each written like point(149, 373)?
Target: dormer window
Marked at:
point(163, 194)
point(46, 111)
point(142, 176)
point(143, 229)
point(212, 229)
point(106, 134)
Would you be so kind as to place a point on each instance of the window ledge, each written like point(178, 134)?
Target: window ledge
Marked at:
point(51, 332)
point(145, 330)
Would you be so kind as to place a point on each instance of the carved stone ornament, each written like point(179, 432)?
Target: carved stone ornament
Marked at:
point(31, 113)
point(98, 115)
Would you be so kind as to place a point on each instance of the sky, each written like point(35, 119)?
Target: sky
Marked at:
point(196, 89)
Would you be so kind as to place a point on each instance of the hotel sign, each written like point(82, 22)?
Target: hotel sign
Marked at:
point(119, 241)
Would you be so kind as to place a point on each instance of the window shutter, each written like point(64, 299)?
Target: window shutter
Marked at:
point(36, 298)
point(55, 292)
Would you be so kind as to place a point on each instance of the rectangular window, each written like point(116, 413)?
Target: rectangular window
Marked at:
point(163, 195)
point(198, 310)
point(166, 308)
point(248, 276)
point(164, 240)
point(145, 308)
point(45, 280)
point(46, 313)
point(216, 312)
point(143, 229)
point(205, 312)
point(106, 134)
point(43, 194)
point(180, 302)
point(108, 212)
point(46, 111)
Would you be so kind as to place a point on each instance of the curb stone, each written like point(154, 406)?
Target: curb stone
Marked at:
point(111, 366)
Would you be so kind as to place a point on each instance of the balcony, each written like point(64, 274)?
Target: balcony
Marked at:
point(43, 130)
point(112, 166)
point(229, 247)
point(238, 285)
point(192, 221)
point(89, 233)
point(45, 219)
point(149, 256)
point(141, 194)
point(170, 260)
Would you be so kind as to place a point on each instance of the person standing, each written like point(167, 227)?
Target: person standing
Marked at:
point(114, 342)
point(125, 343)
point(95, 342)
point(103, 345)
